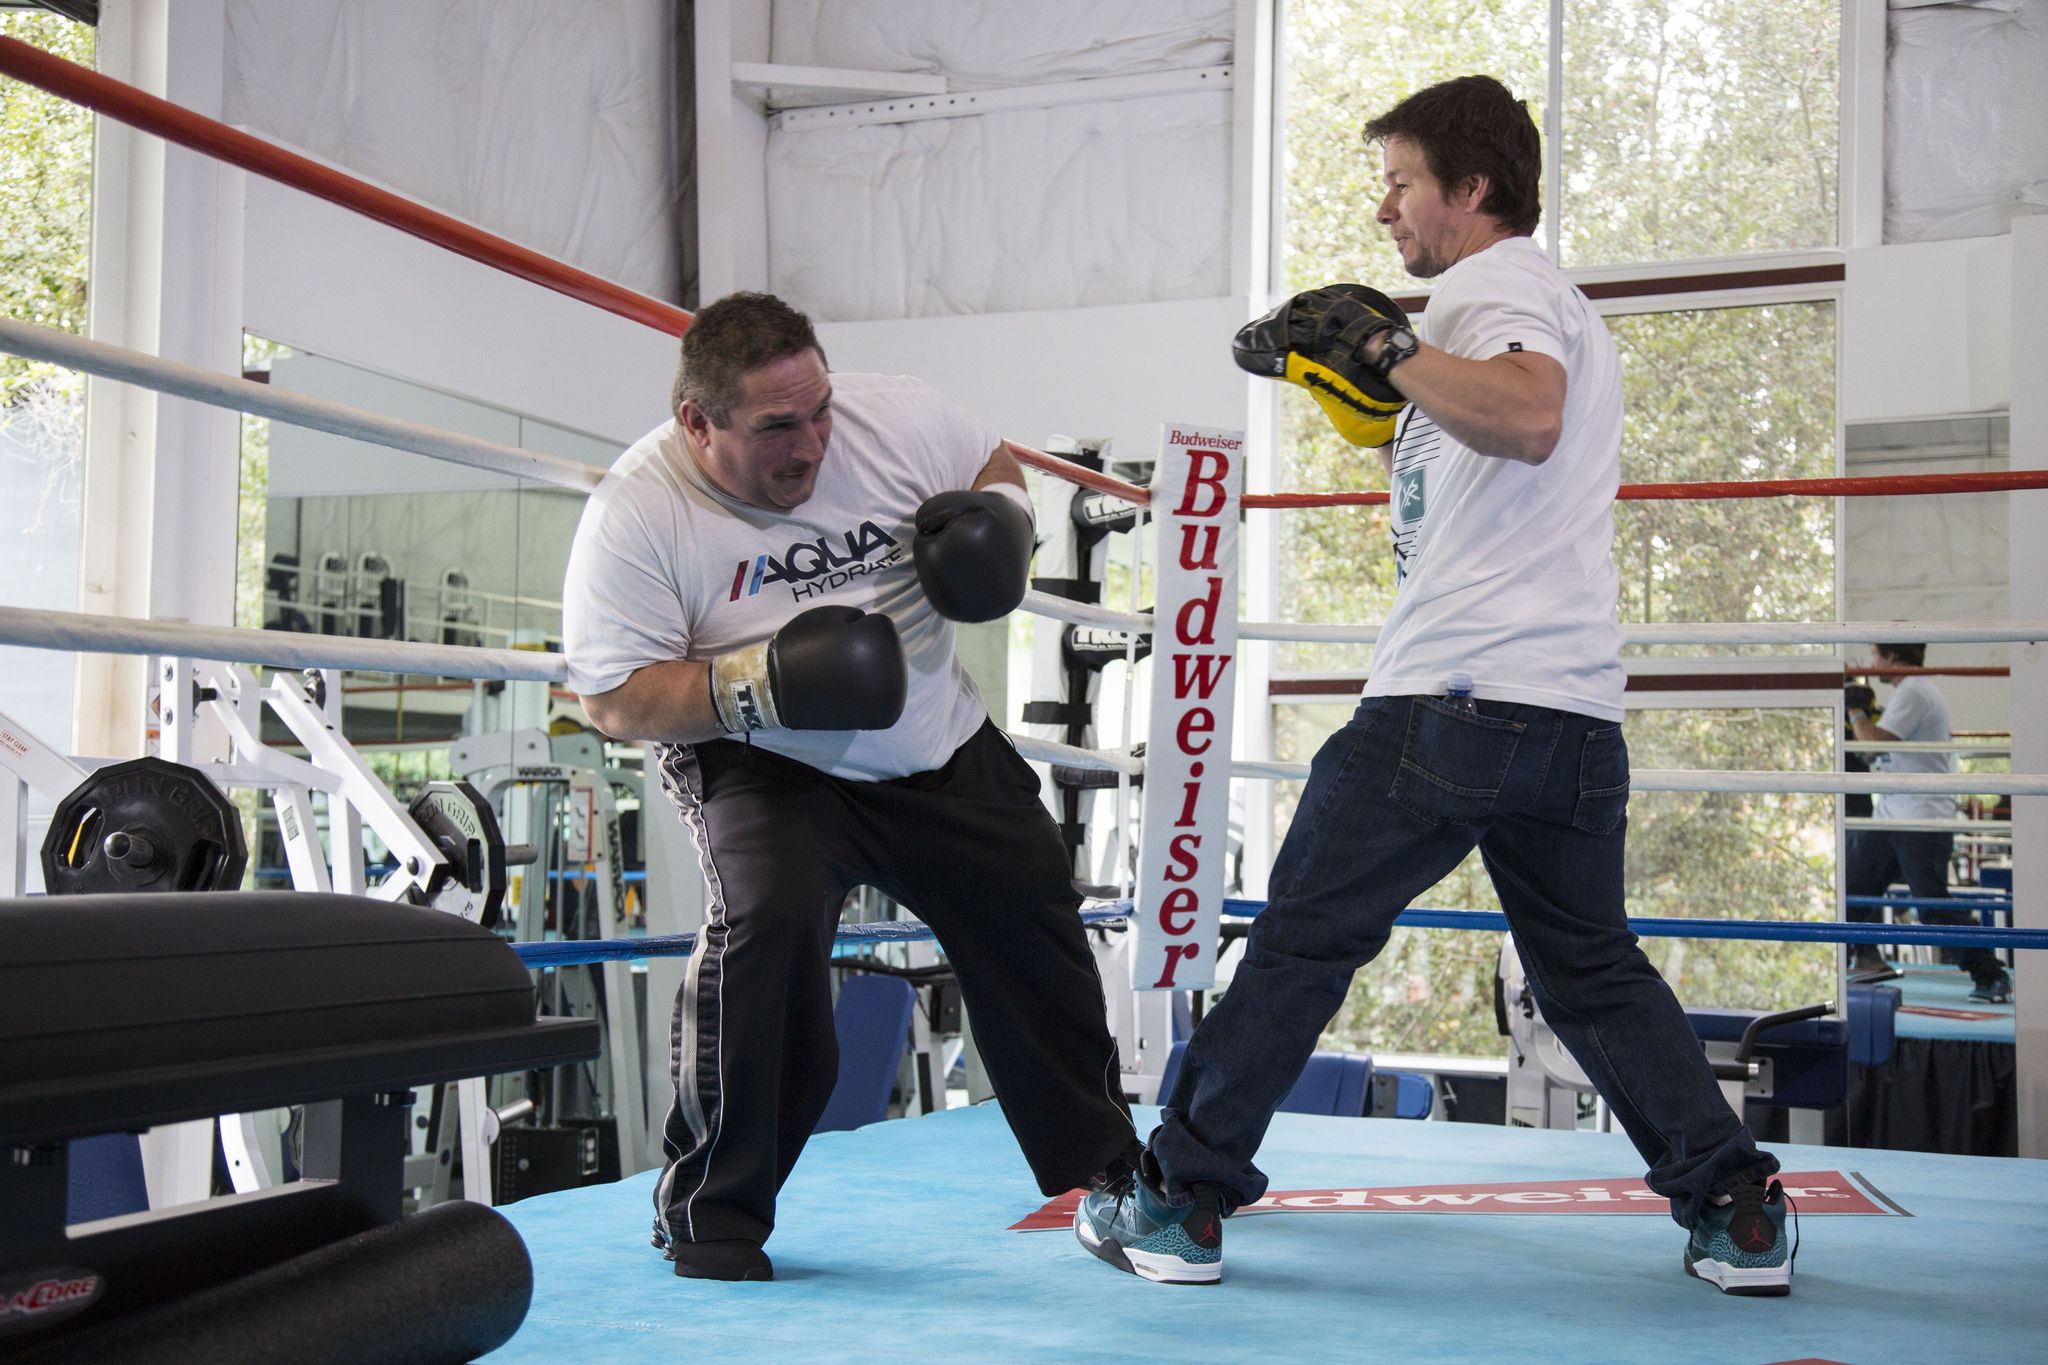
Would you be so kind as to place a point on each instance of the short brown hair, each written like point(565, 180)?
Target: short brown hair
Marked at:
point(1473, 126)
point(730, 338)
point(1911, 655)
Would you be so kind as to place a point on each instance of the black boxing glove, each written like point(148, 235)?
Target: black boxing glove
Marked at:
point(829, 668)
point(1858, 697)
point(973, 551)
point(1317, 340)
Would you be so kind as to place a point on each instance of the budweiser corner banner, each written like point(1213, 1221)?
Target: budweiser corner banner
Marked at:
point(1823, 1192)
point(1195, 496)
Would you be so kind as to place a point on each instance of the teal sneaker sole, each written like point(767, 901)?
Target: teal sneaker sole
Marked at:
point(1146, 1265)
point(1761, 1282)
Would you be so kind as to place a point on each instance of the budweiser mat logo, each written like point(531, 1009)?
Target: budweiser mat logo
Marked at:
point(1817, 1192)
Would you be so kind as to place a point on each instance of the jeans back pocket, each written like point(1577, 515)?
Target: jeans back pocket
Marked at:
point(1453, 761)
point(1603, 781)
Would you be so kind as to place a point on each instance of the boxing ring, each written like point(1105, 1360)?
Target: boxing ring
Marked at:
point(893, 1241)
point(903, 1237)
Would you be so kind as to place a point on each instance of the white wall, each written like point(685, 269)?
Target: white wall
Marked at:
point(332, 283)
point(1927, 329)
point(1116, 372)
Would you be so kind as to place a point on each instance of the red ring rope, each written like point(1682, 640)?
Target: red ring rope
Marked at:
point(174, 123)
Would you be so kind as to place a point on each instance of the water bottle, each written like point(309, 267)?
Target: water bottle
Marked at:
point(1458, 693)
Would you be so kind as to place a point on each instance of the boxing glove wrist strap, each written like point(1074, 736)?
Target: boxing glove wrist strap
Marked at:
point(1015, 493)
point(740, 695)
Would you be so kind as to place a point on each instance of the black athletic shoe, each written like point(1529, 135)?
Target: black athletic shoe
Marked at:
point(1994, 990)
point(721, 1261)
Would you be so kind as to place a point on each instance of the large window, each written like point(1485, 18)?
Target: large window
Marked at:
point(1697, 128)
point(45, 235)
point(1677, 134)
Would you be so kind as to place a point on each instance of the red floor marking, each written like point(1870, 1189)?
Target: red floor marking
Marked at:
point(1939, 1012)
point(1817, 1192)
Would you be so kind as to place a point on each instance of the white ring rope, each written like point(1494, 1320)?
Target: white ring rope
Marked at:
point(1719, 632)
point(1738, 780)
point(1102, 760)
point(261, 400)
point(274, 648)
point(1086, 614)
point(1693, 633)
point(286, 649)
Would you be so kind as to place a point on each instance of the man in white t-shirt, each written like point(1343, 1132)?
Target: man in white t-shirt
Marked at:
point(1917, 713)
point(1492, 719)
point(764, 589)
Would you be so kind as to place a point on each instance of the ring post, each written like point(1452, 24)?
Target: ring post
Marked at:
point(1197, 489)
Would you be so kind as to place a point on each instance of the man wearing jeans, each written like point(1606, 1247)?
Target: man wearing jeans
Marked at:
point(1504, 471)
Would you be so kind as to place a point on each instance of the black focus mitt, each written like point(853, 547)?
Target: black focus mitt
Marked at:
point(1317, 340)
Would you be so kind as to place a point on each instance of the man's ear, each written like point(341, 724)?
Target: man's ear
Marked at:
point(1471, 192)
point(693, 419)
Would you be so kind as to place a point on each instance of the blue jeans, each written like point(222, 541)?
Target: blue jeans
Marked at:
point(1394, 802)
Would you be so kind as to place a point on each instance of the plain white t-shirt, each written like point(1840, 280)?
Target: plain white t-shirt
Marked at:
point(1917, 712)
point(1505, 570)
point(665, 566)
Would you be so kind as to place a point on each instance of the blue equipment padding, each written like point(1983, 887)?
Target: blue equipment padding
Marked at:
point(1995, 878)
point(105, 1178)
point(872, 1020)
point(1335, 1083)
point(1809, 1058)
point(1413, 1094)
point(1873, 1023)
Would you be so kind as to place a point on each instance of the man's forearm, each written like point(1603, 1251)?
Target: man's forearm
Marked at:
point(667, 703)
point(1511, 407)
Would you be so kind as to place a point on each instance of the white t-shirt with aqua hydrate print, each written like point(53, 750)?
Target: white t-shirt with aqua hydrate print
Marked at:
point(1505, 570)
point(665, 566)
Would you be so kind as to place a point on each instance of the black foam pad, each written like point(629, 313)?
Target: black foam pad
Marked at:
point(93, 985)
point(447, 1284)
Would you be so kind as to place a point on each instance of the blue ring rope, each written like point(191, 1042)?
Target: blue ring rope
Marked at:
point(576, 952)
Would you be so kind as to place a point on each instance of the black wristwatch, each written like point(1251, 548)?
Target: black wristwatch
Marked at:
point(1396, 345)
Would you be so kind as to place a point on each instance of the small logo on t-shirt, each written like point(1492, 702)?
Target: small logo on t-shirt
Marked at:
point(1410, 503)
point(1514, 345)
point(813, 567)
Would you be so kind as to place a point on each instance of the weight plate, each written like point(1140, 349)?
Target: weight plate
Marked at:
point(144, 825)
point(471, 880)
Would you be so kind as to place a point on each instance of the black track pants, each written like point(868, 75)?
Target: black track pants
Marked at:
point(968, 849)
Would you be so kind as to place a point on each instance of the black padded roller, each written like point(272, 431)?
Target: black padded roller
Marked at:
point(447, 1284)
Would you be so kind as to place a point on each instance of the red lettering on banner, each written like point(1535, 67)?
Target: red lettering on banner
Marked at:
point(1194, 724)
point(1830, 1191)
point(1175, 952)
point(1207, 604)
point(1194, 440)
point(1198, 674)
point(1205, 558)
point(1185, 863)
point(1187, 805)
point(1198, 481)
point(1182, 901)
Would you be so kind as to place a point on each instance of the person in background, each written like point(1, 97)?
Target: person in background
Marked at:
point(1917, 713)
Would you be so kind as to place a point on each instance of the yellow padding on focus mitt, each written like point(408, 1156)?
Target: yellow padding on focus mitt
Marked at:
point(1317, 340)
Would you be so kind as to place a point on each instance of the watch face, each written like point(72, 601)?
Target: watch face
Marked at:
point(1401, 339)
